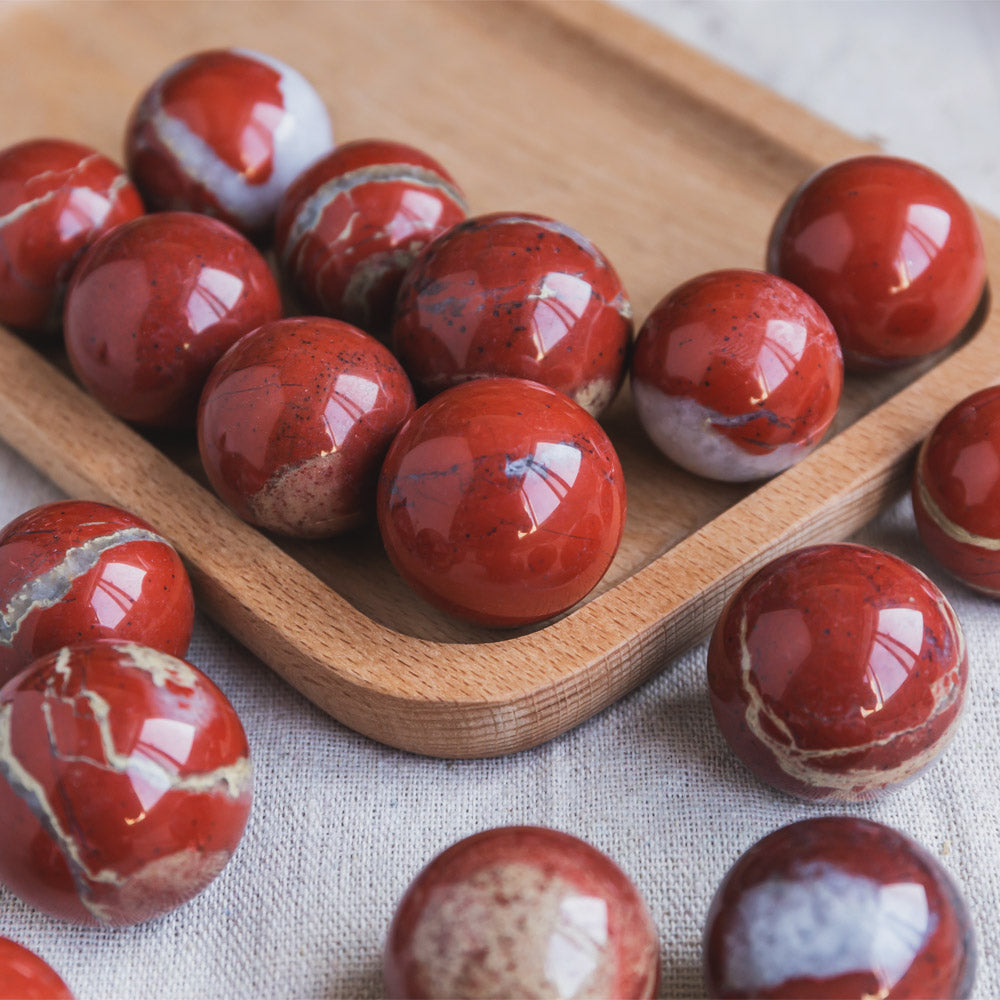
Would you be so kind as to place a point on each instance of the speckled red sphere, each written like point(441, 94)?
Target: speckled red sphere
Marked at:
point(522, 912)
point(153, 305)
point(516, 295)
point(891, 252)
point(225, 132)
point(837, 671)
point(349, 227)
point(295, 421)
point(956, 491)
point(736, 375)
point(72, 571)
point(502, 502)
point(25, 976)
point(838, 908)
point(56, 198)
point(125, 783)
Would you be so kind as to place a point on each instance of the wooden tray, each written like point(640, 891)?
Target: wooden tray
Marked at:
point(670, 163)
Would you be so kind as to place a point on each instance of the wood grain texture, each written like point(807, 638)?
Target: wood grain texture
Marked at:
point(670, 163)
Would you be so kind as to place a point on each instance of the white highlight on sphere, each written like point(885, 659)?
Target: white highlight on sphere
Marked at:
point(822, 924)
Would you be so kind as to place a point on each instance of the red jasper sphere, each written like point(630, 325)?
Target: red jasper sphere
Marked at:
point(522, 912)
point(956, 491)
point(153, 305)
point(838, 908)
point(890, 250)
point(56, 198)
point(125, 783)
point(72, 571)
point(225, 132)
point(349, 227)
point(501, 502)
point(736, 375)
point(24, 976)
point(837, 671)
point(295, 421)
point(516, 295)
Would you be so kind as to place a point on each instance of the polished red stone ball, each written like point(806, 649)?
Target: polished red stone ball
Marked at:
point(956, 491)
point(56, 198)
point(25, 976)
point(891, 252)
point(838, 907)
point(517, 295)
point(295, 421)
point(501, 502)
point(73, 571)
point(225, 132)
point(125, 783)
point(522, 912)
point(736, 375)
point(153, 305)
point(837, 671)
point(349, 227)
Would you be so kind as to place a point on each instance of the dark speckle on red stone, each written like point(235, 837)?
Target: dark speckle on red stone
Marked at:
point(776, 375)
point(553, 311)
point(838, 908)
point(522, 912)
point(524, 470)
point(837, 671)
point(295, 421)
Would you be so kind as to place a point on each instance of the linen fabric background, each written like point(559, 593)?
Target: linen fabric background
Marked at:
point(341, 825)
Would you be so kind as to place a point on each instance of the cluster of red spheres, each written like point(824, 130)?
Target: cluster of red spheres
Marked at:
point(125, 779)
point(735, 375)
point(874, 262)
point(174, 319)
point(446, 386)
point(837, 672)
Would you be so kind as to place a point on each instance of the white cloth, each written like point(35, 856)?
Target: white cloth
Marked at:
point(341, 825)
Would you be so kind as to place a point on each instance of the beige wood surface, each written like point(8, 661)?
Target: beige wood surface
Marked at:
point(670, 163)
